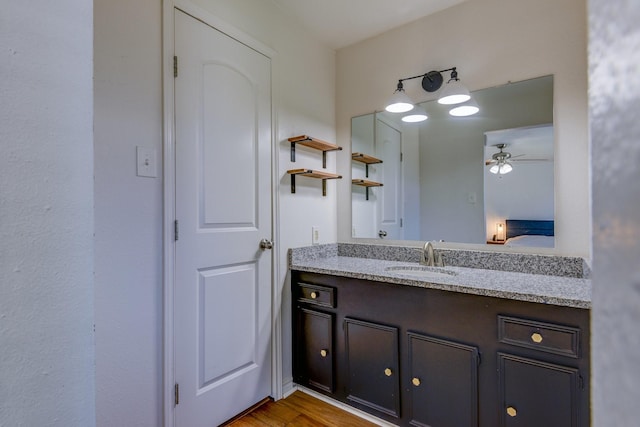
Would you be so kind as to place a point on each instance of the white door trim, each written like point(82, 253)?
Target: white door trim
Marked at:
point(169, 184)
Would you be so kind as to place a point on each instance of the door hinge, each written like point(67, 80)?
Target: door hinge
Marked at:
point(401, 222)
point(176, 394)
point(400, 156)
point(175, 66)
point(175, 230)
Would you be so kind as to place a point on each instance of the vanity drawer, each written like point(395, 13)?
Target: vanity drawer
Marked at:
point(323, 296)
point(546, 337)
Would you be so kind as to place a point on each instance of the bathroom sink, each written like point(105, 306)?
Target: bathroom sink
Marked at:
point(423, 272)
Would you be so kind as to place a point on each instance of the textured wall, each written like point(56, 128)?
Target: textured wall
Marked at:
point(614, 96)
point(128, 213)
point(46, 216)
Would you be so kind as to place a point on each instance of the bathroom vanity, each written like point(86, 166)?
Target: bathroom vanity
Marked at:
point(455, 346)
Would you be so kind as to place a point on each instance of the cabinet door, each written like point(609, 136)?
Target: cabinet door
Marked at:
point(315, 349)
point(535, 393)
point(444, 382)
point(372, 364)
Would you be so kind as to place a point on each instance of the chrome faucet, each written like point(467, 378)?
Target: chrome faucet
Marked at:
point(430, 256)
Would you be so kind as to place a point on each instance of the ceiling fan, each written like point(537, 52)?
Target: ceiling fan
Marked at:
point(501, 160)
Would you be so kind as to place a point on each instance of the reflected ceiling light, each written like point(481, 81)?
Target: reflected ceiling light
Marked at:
point(400, 101)
point(467, 109)
point(453, 93)
point(416, 115)
point(500, 161)
point(501, 168)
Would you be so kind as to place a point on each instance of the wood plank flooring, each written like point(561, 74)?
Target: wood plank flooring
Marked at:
point(299, 410)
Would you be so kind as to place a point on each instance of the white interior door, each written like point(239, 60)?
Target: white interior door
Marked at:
point(389, 149)
point(222, 286)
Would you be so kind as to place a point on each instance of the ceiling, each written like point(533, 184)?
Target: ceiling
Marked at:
point(340, 23)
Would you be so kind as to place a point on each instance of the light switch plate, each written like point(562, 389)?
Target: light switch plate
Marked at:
point(146, 162)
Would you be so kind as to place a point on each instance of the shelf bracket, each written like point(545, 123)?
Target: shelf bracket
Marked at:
point(367, 192)
point(293, 154)
point(293, 181)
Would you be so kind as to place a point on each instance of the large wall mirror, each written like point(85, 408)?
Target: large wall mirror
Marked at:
point(432, 180)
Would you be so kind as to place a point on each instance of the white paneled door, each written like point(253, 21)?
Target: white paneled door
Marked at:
point(223, 277)
point(389, 149)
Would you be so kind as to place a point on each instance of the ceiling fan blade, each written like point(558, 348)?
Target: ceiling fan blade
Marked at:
point(489, 162)
point(531, 160)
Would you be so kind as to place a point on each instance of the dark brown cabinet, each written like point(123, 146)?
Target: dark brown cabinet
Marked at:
point(535, 393)
point(372, 366)
point(315, 356)
point(444, 382)
point(425, 357)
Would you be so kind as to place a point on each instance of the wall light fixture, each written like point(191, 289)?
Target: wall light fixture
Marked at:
point(453, 93)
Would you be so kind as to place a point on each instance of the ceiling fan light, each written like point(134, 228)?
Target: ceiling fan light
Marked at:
point(399, 101)
point(454, 92)
point(505, 168)
point(494, 169)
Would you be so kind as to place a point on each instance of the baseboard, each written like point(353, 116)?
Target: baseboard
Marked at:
point(343, 406)
point(288, 387)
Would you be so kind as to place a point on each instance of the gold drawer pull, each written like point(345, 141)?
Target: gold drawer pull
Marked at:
point(323, 353)
point(416, 382)
point(314, 295)
point(536, 338)
point(511, 411)
point(388, 372)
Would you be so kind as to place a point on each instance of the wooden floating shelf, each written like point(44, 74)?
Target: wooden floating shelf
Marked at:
point(367, 184)
point(315, 143)
point(365, 158)
point(310, 173)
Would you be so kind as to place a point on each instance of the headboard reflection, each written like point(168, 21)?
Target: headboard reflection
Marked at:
point(526, 227)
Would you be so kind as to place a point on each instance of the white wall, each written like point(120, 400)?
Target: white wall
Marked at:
point(364, 212)
point(491, 42)
point(128, 213)
point(615, 154)
point(128, 109)
point(504, 197)
point(46, 217)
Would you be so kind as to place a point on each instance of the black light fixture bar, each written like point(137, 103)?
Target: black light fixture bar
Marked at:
point(431, 81)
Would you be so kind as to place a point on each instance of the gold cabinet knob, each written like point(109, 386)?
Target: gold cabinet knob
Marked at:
point(536, 338)
point(511, 411)
point(388, 372)
point(314, 295)
point(323, 353)
point(415, 381)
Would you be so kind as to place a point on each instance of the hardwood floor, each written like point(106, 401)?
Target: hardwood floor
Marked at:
point(299, 410)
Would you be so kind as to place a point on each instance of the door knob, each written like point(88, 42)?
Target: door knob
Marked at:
point(266, 244)
point(382, 234)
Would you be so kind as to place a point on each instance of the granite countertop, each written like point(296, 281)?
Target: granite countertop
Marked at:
point(539, 288)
